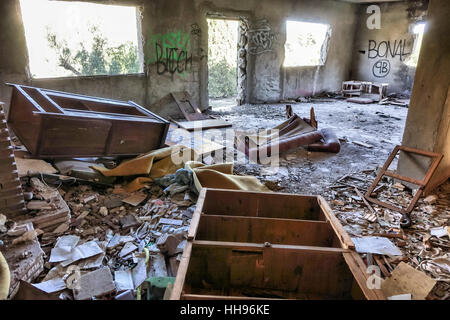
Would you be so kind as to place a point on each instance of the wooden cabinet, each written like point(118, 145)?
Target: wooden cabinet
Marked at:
point(54, 124)
point(254, 245)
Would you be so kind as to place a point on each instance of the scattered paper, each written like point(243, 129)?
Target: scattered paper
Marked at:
point(175, 222)
point(439, 232)
point(401, 297)
point(83, 251)
point(139, 273)
point(63, 248)
point(52, 285)
point(123, 280)
point(376, 245)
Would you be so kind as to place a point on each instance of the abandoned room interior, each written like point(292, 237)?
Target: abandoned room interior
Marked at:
point(225, 150)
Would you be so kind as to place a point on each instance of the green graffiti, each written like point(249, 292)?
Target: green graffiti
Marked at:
point(170, 52)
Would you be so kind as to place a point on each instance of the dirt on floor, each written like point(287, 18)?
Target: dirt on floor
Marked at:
point(380, 126)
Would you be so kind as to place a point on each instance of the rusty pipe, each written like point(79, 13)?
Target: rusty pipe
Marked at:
point(331, 143)
point(283, 144)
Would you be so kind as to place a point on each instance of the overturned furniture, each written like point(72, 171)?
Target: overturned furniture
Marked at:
point(292, 133)
point(54, 124)
point(422, 184)
point(254, 245)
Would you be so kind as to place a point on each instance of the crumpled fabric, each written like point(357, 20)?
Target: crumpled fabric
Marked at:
point(221, 176)
point(158, 166)
point(156, 163)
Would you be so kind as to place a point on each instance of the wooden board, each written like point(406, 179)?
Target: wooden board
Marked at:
point(204, 124)
point(261, 230)
point(405, 279)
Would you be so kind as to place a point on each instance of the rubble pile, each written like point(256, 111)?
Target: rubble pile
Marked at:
point(425, 244)
point(101, 242)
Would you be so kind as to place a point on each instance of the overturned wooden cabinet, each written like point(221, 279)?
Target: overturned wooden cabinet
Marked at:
point(253, 245)
point(54, 124)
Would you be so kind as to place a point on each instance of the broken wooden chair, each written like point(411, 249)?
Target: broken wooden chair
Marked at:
point(406, 220)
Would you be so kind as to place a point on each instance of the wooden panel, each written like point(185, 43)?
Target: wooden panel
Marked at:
point(204, 124)
point(128, 137)
point(69, 136)
point(256, 204)
point(289, 272)
point(261, 230)
point(21, 119)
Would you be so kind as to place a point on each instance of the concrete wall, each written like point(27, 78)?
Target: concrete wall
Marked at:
point(268, 80)
point(186, 20)
point(427, 124)
point(380, 54)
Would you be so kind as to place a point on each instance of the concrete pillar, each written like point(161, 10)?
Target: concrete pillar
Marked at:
point(427, 124)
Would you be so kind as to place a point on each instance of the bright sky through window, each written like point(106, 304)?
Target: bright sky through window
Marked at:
point(304, 42)
point(72, 25)
point(418, 30)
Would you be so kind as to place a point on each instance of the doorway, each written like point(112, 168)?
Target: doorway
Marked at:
point(223, 37)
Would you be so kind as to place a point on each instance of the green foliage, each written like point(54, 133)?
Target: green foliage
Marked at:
point(222, 80)
point(99, 60)
point(222, 58)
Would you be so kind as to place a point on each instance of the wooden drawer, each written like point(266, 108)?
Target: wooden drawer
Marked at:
point(54, 124)
point(254, 245)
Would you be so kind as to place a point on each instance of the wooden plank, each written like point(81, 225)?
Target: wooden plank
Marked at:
point(292, 273)
point(403, 178)
point(196, 216)
point(254, 246)
point(181, 273)
point(204, 124)
point(262, 204)
point(345, 239)
point(358, 268)
point(262, 230)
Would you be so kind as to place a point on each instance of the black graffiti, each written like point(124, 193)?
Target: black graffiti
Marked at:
point(381, 68)
point(172, 60)
point(387, 49)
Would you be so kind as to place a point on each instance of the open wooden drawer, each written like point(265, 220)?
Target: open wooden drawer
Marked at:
point(254, 245)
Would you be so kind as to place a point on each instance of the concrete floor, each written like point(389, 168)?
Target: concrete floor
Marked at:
point(306, 172)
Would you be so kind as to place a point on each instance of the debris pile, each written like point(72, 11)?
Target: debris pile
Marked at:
point(99, 241)
point(424, 245)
